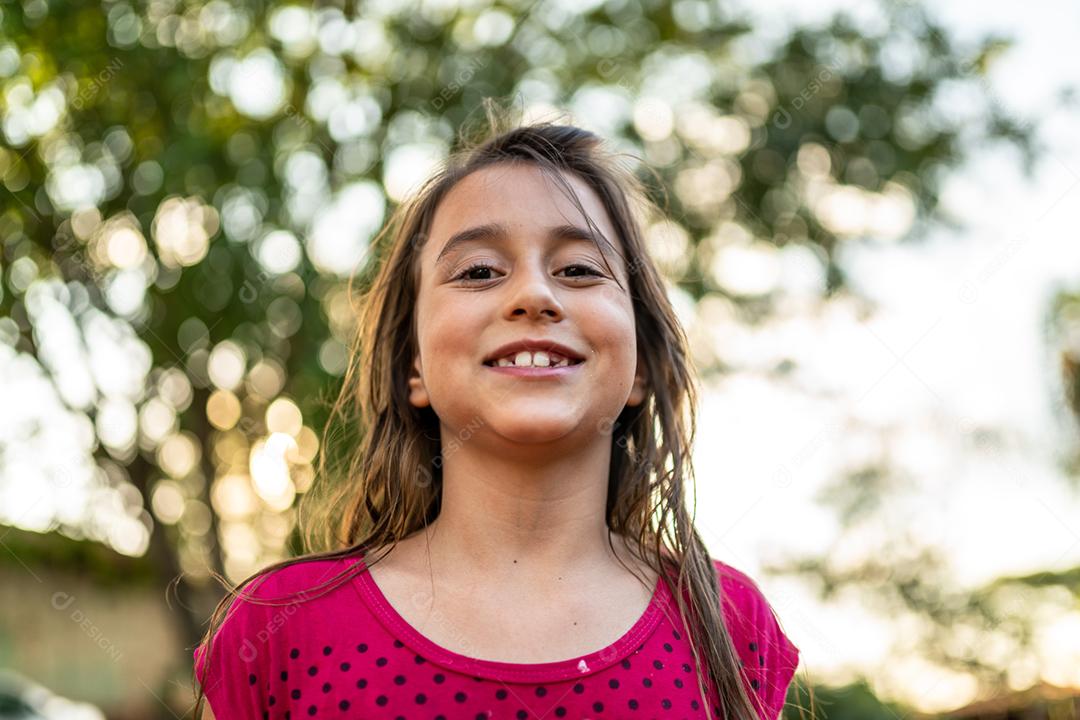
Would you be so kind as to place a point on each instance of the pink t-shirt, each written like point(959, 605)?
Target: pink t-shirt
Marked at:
point(347, 653)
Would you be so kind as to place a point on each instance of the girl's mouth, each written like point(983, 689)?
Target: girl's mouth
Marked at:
point(530, 371)
point(540, 359)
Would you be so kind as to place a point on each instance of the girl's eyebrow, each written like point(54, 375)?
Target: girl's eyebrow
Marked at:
point(498, 233)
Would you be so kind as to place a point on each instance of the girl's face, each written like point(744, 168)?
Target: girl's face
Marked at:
point(524, 283)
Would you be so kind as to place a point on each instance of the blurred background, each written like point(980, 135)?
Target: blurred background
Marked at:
point(871, 242)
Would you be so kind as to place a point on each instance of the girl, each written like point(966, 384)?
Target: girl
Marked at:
point(513, 539)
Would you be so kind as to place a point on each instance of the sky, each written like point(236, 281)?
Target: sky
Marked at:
point(956, 349)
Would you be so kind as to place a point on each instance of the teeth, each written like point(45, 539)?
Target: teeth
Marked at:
point(537, 359)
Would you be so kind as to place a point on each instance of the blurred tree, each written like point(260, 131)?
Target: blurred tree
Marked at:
point(187, 187)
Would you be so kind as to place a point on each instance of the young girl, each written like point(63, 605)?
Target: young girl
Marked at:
point(512, 540)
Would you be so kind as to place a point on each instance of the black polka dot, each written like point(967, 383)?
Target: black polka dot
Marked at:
point(598, 706)
point(399, 644)
point(294, 653)
point(686, 667)
point(666, 704)
point(633, 704)
point(626, 664)
point(460, 696)
point(541, 691)
point(761, 660)
point(421, 698)
point(252, 679)
point(613, 684)
point(501, 694)
point(678, 683)
point(381, 661)
point(312, 710)
point(667, 646)
point(658, 665)
point(327, 650)
point(361, 683)
point(295, 694)
point(272, 700)
point(362, 647)
point(344, 704)
point(693, 704)
point(647, 682)
point(326, 687)
point(381, 700)
point(399, 679)
point(755, 684)
point(312, 671)
point(560, 711)
point(753, 647)
point(439, 677)
point(579, 688)
point(284, 675)
point(481, 716)
point(419, 660)
point(675, 634)
point(522, 714)
point(345, 667)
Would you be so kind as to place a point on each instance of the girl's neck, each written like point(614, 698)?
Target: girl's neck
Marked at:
point(535, 544)
point(470, 560)
point(532, 511)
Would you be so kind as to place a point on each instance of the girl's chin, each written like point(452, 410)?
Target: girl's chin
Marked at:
point(533, 428)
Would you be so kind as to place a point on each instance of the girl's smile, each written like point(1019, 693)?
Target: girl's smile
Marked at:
point(536, 372)
point(534, 359)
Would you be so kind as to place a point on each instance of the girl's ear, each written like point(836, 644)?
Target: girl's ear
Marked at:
point(637, 390)
point(418, 395)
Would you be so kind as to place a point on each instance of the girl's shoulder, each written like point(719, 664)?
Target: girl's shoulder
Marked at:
point(738, 583)
point(262, 610)
point(749, 612)
point(301, 579)
point(757, 635)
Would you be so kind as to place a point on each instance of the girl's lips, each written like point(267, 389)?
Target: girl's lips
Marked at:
point(535, 372)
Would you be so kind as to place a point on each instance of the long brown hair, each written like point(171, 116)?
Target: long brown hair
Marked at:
point(380, 476)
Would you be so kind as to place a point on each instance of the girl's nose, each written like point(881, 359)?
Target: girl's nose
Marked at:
point(533, 294)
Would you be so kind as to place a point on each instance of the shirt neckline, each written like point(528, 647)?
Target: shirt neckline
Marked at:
point(570, 668)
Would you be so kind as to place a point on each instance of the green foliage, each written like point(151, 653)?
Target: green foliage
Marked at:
point(89, 560)
point(855, 701)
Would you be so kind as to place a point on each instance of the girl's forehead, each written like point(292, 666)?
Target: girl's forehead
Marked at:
point(519, 197)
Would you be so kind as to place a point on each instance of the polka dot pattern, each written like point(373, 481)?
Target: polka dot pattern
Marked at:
point(302, 660)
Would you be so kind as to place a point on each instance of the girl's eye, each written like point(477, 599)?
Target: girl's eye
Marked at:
point(589, 270)
point(477, 267)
